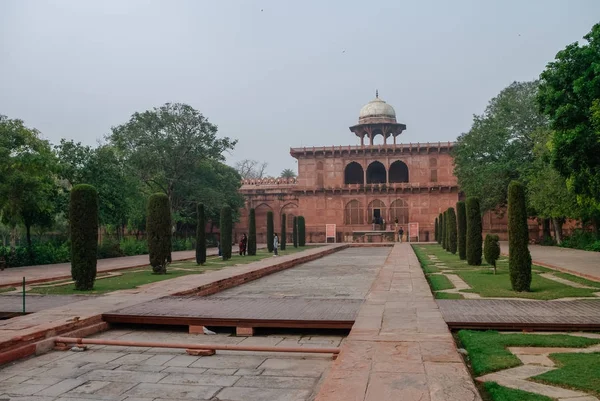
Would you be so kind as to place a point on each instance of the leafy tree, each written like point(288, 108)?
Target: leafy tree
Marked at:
point(491, 250)
point(498, 147)
point(440, 232)
point(288, 173)
point(200, 236)
point(452, 243)
point(295, 232)
point(474, 231)
point(461, 224)
point(252, 233)
point(270, 231)
point(570, 96)
point(226, 232)
point(158, 228)
point(251, 169)
point(301, 231)
point(171, 149)
point(282, 239)
point(436, 228)
point(28, 188)
point(83, 217)
point(519, 258)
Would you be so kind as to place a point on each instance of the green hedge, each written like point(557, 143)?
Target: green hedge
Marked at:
point(519, 257)
point(461, 229)
point(474, 229)
point(158, 230)
point(270, 231)
point(301, 231)
point(445, 230)
point(452, 231)
point(295, 232)
point(226, 228)
point(435, 227)
point(282, 238)
point(440, 223)
point(252, 233)
point(200, 235)
point(83, 221)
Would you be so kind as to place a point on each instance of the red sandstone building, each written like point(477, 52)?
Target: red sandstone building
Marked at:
point(354, 186)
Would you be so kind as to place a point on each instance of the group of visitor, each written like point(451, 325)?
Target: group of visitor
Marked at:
point(244, 244)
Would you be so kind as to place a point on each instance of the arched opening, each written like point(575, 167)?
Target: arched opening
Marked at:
point(377, 139)
point(354, 174)
point(261, 222)
point(398, 172)
point(353, 213)
point(376, 212)
point(399, 210)
point(376, 173)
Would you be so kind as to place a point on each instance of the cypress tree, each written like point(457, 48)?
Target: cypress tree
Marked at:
point(226, 232)
point(283, 232)
point(435, 227)
point(158, 227)
point(474, 240)
point(295, 232)
point(252, 233)
point(301, 231)
point(442, 230)
point(491, 250)
point(445, 230)
point(461, 225)
point(200, 235)
point(519, 258)
point(83, 221)
point(452, 243)
point(439, 239)
point(270, 231)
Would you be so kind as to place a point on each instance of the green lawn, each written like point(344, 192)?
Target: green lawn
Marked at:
point(139, 276)
point(487, 284)
point(448, 295)
point(488, 353)
point(437, 282)
point(497, 392)
point(7, 289)
point(576, 371)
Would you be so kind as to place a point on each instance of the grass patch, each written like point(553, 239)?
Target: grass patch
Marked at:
point(427, 264)
point(500, 393)
point(576, 371)
point(488, 353)
point(438, 282)
point(7, 289)
point(486, 284)
point(448, 295)
point(140, 276)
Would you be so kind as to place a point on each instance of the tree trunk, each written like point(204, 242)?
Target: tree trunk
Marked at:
point(546, 232)
point(558, 234)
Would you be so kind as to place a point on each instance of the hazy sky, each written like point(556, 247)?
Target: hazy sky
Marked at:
point(274, 74)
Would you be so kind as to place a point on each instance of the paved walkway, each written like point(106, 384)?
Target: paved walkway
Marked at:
point(575, 261)
point(399, 347)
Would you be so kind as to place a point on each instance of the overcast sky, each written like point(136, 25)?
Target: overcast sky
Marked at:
point(274, 74)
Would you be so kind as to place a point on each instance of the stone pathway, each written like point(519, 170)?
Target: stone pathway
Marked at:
point(145, 374)
point(399, 347)
point(581, 263)
point(535, 362)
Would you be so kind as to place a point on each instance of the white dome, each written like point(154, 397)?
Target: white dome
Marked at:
point(377, 111)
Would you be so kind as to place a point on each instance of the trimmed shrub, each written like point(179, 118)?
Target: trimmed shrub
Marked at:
point(452, 231)
point(200, 235)
point(474, 239)
point(226, 228)
point(491, 249)
point(435, 233)
point(295, 232)
point(445, 230)
point(109, 248)
point(461, 229)
point(83, 220)
point(519, 258)
point(252, 233)
point(301, 231)
point(439, 238)
point(270, 231)
point(282, 238)
point(158, 228)
point(131, 247)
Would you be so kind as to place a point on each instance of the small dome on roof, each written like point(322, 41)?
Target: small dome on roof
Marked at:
point(377, 111)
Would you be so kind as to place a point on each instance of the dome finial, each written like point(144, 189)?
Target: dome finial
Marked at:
point(377, 93)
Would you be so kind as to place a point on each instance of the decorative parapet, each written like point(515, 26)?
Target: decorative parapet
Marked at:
point(396, 148)
point(269, 181)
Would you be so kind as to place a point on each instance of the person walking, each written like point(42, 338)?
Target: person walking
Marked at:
point(275, 244)
point(243, 244)
point(400, 234)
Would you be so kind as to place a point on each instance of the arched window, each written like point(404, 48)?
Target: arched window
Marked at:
point(399, 210)
point(353, 213)
point(433, 169)
point(398, 172)
point(354, 174)
point(261, 216)
point(376, 211)
point(376, 173)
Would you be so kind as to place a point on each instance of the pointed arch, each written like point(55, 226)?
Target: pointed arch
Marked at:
point(399, 210)
point(398, 172)
point(353, 213)
point(376, 173)
point(354, 174)
point(376, 210)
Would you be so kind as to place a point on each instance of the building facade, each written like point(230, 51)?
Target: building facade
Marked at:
point(363, 189)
